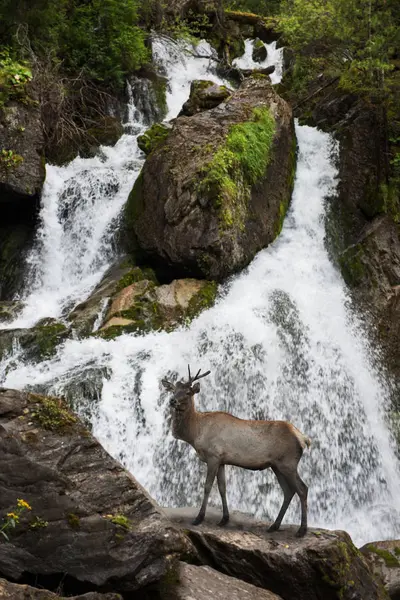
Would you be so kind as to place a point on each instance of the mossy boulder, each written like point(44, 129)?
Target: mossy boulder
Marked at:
point(38, 343)
point(153, 137)
point(143, 306)
point(321, 565)
point(203, 96)
point(259, 51)
point(384, 560)
point(211, 194)
point(121, 541)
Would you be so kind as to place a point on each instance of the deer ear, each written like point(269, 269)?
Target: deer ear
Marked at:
point(168, 385)
point(196, 388)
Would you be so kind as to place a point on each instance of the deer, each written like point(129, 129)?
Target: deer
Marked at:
point(220, 439)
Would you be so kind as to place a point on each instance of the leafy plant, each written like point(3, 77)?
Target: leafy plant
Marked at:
point(10, 159)
point(12, 518)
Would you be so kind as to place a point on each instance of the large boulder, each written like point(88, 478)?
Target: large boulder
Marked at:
point(384, 559)
point(91, 525)
point(22, 173)
point(323, 564)
point(216, 189)
point(38, 343)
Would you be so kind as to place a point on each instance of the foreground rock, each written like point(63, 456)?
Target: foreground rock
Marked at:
point(323, 564)
point(199, 583)
point(14, 591)
point(90, 519)
point(384, 560)
point(216, 189)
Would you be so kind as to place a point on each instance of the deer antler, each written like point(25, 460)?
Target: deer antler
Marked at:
point(197, 376)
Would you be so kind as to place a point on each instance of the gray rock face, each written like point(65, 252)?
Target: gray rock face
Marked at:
point(90, 519)
point(197, 208)
point(384, 559)
point(322, 565)
point(203, 96)
point(199, 583)
point(15, 591)
point(22, 174)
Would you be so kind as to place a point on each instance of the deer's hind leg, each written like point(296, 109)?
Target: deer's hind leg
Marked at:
point(297, 485)
point(288, 493)
point(222, 490)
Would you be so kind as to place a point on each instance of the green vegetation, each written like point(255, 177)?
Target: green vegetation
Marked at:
point(10, 159)
point(350, 39)
point(120, 520)
point(238, 164)
point(352, 267)
point(14, 75)
point(388, 557)
point(99, 39)
point(38, 523)
point(153, 137)
point(52, 414)
point(47, 338)
point(137, 274)
point(73, 521)
point(203, 300)
point(260, 7)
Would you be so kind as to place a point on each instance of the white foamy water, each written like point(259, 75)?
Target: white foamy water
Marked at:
point(281, 343)
point(274, 57)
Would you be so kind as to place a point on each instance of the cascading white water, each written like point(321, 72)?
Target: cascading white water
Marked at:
point(274, 57)
point(281, 342)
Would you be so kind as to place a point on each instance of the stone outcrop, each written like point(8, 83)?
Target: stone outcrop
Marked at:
point(38, 343)
point(22, 173)
point(216, 190)
point(143, 305)
point(15, 591)
point(199, 583)
point(203, 96)
point(384, 560)
point(260, 52)
point(89, 518)
point(323, 564)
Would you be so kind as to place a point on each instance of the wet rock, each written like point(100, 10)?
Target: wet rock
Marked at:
point(84, 316)
point(260, 52)
point(91, 523)
point(203, 96)
point(37, 343)
point(384, 560)
point(259, 72)
point(145, 306)
point(200, 206)
point(149, 94)
point(15, 591)
point(323, 564)
point(9, 310)
point(198, 583)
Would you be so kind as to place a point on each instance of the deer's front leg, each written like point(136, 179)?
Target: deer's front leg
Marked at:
point(212, 468)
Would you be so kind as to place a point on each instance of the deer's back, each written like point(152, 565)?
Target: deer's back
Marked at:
point(245, 443)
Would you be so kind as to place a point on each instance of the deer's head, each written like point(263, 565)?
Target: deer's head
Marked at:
point(183, 391)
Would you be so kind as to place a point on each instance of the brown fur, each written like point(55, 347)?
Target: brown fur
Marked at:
point(220, 439)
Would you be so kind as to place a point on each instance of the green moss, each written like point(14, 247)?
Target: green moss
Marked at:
point(352, 267)
point(120, 520)
point(203, 300)
point(284, 205)
point(136, 274)
point(160, 92)
point(397, 551)
point(153, 137)
point(47, 338)
point(73, 521)
point(337, 568)
point(135, 205)
point(38, 523)
point(390, 560)
point(237, 165)
point(52, 414)
point(391, 201)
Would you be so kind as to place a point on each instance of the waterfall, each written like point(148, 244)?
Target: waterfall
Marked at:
point(282, 342)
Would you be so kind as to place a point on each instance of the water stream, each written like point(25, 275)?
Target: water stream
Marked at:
point(282, 342)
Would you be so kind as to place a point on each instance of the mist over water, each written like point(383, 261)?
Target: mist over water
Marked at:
point(282, 342)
